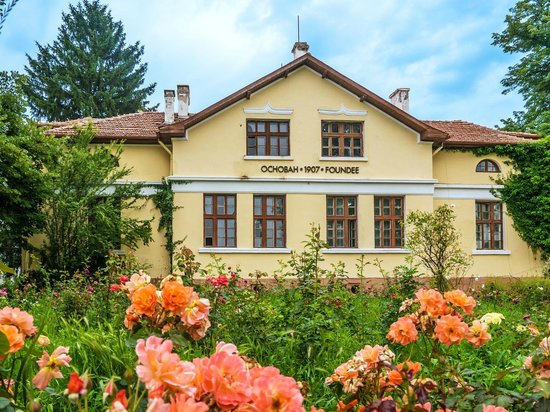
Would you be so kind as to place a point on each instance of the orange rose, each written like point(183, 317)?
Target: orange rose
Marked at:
point(431, 301)
point(477, 334)
point(175, 296)
point(450, 330)
point(15, 339)
point(395, 378)
point(403, 331)
point(144, 300)
point(459, 299)
point(409, 367)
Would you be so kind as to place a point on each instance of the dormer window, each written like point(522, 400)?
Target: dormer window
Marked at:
point(267, 138)
point(487, 166)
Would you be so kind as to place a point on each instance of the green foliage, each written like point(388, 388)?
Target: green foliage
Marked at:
point(304, 266)
point(24, 151)
point(526, 193)
point(5, 7)
point(84, 203)
point(88, 70)
point(435, 243)
point(528, 32)
point(164, 201)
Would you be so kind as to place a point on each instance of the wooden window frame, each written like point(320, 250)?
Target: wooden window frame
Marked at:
point(252, 150)
point(396, 223)
point(492, 222)
point(216, 217)
point(329, 137)
point(350, 239)
point(484, 165)
point(264, 217)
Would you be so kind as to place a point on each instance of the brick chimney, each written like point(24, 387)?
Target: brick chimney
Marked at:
point(169, 106)
point(184, 99)
point(400, 98)
point(300, 48)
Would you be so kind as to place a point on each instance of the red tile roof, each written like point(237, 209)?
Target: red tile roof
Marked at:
point(139, 127)
point(143, 128)
point(462, 133)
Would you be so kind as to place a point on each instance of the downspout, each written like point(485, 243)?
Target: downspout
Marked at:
point(170, 153)
point(437, 150)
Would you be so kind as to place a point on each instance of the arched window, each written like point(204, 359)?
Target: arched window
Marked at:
point(487, 166)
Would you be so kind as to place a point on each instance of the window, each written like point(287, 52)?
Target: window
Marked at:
point(488, 225)
point(487, 166)
point(220, 220)
point(267, 138)
point(340, 139)
point(269, 221)
point(342, 221)
point(388, 222)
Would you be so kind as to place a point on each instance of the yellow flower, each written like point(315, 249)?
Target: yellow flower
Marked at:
point(492, 318)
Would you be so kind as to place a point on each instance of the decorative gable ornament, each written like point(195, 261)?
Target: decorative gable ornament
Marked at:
point(343, 110)
point(268, 109)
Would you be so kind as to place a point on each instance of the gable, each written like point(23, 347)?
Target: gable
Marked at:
point(326, 72)
point(304, 101)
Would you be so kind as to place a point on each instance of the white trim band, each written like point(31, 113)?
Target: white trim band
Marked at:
point(275, 158)
point(389, 251)
point(344, 159)
point(458, 191)
point(303, 185)
point(491, 252)
point(237, 250)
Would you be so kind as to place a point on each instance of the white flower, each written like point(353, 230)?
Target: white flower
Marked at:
point(492, 318)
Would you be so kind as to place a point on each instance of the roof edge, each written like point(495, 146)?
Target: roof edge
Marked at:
point(427, 133)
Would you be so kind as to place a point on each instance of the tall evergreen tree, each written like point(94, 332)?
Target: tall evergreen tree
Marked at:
point(88, 70)
point(5, 8)
point(528, 32)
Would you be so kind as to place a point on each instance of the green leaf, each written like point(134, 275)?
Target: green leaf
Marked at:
point(4, 344)
point(6, 269)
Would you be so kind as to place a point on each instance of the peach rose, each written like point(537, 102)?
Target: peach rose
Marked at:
point(175, 296)
point(459, 299)
point(403, 331)
point(15, 339)
point(477, 334)
point(450, 330)
point(144, 300)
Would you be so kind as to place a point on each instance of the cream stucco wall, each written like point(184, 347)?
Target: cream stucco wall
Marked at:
point(517, 260)
point(392, 150)
point(452, 166)
point(302, 210)
point(149, 163)
point(154, 255)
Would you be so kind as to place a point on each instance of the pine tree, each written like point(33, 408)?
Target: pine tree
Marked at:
point(88, 70)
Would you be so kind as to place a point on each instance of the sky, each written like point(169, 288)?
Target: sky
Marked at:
point(440, 49)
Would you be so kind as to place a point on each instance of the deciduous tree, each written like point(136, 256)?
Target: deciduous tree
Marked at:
point(526, 192)
point(88, 70)
point(435, 242)
point(528, 32)
point(86, 208)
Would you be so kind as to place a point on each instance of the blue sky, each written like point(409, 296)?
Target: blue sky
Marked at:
point(440, 49)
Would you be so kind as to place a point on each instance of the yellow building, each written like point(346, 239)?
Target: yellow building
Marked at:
point(305, 144)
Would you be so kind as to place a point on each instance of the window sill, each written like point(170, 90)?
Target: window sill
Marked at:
point(491, 252)
point(268, 157)
point(344, 159)
point(237, 250)
point(365, 251)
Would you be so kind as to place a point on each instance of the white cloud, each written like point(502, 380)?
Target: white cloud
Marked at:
point(440, 49)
